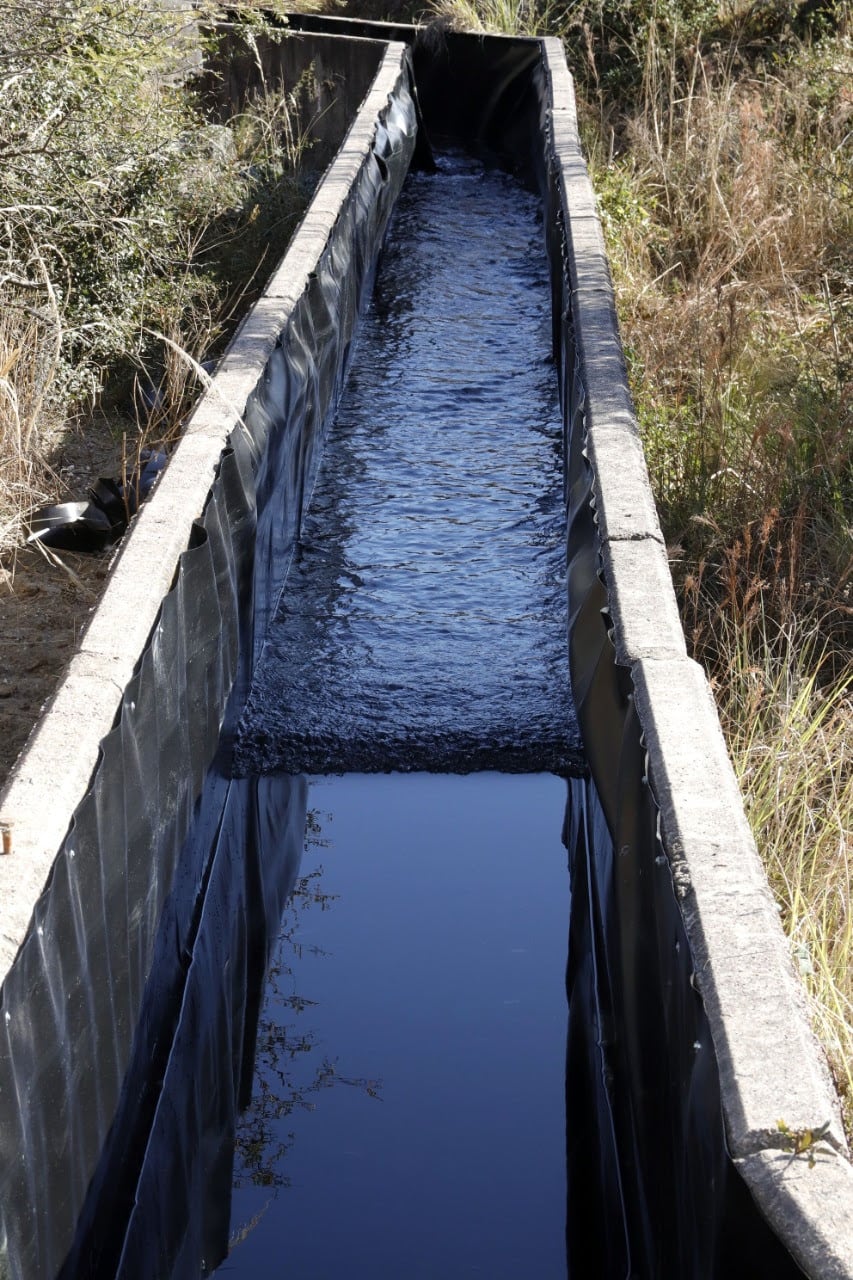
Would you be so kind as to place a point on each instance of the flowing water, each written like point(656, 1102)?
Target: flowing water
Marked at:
point(423, 621)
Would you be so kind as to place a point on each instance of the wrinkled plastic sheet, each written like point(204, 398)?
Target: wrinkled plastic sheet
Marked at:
point(651, 1189)
point(128, 884)
point(159, 1204)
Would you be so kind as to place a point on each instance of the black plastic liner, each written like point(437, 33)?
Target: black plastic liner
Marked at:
point(159, 1204)
point(102, 519)
point(91, 962)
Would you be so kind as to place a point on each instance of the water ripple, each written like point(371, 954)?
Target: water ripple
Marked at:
point(423, 624)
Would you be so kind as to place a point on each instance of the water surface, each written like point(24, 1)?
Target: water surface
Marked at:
point(423, 622)
point(408, 1117)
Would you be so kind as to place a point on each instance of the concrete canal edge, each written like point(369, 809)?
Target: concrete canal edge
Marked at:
point(770, 1065)
point(100, 803)
point(55, 769)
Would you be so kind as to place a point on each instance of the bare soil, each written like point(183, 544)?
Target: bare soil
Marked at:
point(46, 596)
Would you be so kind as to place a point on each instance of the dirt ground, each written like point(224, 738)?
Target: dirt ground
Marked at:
point(46, 597)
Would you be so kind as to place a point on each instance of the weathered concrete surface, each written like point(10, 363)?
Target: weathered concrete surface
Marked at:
point(53, 773)
point(816, 1209)
point(771, 1067)
point(769, 1064)
point(642, 601)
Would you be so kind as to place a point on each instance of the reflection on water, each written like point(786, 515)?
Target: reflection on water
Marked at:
point(290, 1068)
point(423, 622)
point(407, 1117)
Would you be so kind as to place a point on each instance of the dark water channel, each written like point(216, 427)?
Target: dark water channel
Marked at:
point(408, 1115)
point(423, 622)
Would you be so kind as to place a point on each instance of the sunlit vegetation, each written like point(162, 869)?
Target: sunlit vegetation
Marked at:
point(131, 226)
point(719, 140)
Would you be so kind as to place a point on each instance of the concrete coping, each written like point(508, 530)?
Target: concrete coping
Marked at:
point(54, 771)
point(771, 1066)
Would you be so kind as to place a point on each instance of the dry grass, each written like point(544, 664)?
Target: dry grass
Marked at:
point(780, 663)
point(30, 336)
point(729, 222)
point(133, 259)
point(720, 145)
point(793, 752)
point(506, 17)
point(726, 196)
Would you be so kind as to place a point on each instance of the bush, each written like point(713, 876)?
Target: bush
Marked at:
point(124, 215)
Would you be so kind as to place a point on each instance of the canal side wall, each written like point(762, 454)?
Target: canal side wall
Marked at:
point(646, 708)
point(124, 747)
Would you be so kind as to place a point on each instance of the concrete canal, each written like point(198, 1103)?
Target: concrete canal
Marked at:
point(368, 951)
point(422, 626)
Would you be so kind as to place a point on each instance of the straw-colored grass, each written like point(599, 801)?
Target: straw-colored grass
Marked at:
point(784, 687)
point(726, 197)
point(793, 752)
point(504, 17)
point(720, 143)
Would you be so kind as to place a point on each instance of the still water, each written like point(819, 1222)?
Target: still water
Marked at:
point(408, 1111)
point(423, 620)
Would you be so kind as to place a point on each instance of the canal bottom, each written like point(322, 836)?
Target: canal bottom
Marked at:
point(408, 1109)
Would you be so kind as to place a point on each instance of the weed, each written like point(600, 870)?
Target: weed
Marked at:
point(124, 213)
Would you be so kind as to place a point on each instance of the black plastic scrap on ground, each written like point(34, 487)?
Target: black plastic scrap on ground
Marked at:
point(103, 519)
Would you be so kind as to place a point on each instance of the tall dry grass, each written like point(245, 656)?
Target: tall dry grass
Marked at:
point(30, 341)
point(726, 199)
point(133, 231)
point(725, 190)
point(506, 17)
point(780, 664)
point(720, 142)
